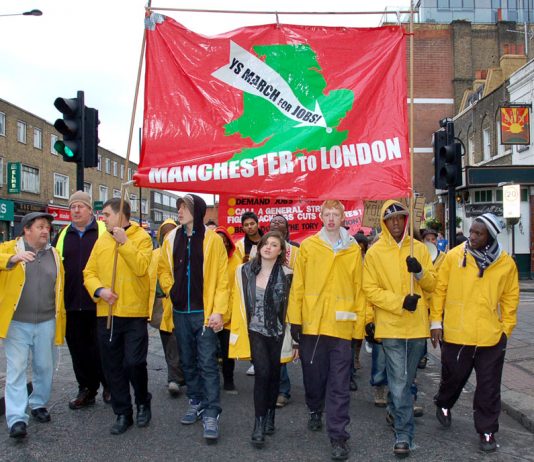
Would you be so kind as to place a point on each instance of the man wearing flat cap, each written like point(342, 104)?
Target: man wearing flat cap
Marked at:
point(193, 270)
point(473, 312)
point(32, 318)
point(401, 316)
point(75, 243)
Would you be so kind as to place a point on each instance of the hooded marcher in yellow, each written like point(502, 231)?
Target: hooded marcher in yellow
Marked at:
point(401, 318)
point(324, 304)
point(193, 269)
point(473, 311)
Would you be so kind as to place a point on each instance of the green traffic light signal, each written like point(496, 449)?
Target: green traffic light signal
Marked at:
point(63, 149)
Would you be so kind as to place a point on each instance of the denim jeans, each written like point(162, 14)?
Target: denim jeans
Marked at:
point(402, 357)
point(23, 337)
point(378, 366)
point(285, 383)
point(197, 347)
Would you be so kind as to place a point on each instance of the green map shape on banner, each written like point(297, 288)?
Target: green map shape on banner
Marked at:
point(264, 123)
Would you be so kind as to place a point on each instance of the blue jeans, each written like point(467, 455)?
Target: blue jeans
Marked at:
point(402, 357)
point(197, 348)
point(23, 337)
point(285, 383)
point(378, 366)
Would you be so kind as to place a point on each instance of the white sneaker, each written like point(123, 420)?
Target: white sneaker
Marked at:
point(250, 370)
point(368, 347)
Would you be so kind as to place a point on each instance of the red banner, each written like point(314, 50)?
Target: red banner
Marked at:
point(302, 215)
point(276, 110)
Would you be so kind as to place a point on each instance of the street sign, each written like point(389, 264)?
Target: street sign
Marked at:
point(98, 205)
point(13, 177)
point(7, 210)
point(511, 201)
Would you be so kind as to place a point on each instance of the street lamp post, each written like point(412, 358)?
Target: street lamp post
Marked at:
point(25, 13)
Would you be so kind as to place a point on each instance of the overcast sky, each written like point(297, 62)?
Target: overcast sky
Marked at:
point(94, 45)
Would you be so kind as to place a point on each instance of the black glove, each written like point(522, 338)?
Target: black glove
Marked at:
point(413, 265)
point(296, 330)
point(410, 302)
point(370, 332)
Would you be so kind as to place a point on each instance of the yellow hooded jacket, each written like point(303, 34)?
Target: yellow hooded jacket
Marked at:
point(326, 296)
point(215, 276)
point(132, 283)
point(12, 282)
point(239, 344)
point(386, 282)
point(477, 310)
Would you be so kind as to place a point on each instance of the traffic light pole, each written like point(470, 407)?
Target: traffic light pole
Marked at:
point(79, 176)
point(452, 216)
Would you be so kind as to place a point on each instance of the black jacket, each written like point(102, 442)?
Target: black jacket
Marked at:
point(76, 252)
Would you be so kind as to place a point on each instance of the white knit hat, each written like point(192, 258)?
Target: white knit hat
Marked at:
point(492, 223)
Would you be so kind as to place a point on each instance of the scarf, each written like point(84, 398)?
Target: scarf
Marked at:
point(484, 257)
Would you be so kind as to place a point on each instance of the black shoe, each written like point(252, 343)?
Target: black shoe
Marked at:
point(444, 416)
point(269, 422)
point(85, 398)
point(258, 434)
point(401, 449)
point(41, 415)
point(487, 442)
point(353, 385)
point(340, 450)
point(18, 430)
point(122, 424)
point(144, 414)
point(106, 396)
point(315, 422)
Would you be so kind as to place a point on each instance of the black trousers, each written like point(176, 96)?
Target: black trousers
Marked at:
point(265, 353)
point(124, 348)
point(457, 363)
point(228, 364)
point(326, 363)
point(82, 341)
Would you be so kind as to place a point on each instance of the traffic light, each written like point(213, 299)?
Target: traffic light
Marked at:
point(439, 141)
point(450, 172)
point(91, 138)
point(71, 126)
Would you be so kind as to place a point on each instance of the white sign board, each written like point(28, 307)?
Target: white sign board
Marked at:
point(511, 201)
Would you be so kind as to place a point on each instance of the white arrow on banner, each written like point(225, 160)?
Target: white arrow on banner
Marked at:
point(247, 73)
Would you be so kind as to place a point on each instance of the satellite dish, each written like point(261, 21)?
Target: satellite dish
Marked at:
point(432, 250)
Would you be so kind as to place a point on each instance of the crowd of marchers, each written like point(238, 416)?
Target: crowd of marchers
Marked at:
point(263, 299)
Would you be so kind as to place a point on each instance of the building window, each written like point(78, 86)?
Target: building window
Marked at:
point(485, 195)
point(37, 138)
point(2, 124)
point(129, 174)
point(99, 166)
point(1, 171)
point(166, 200)
point(103, 193)
point(88, 188)
point(122, 172)
point(108, 165)
point(53, 140)
point(157, 198)
point(61, 186)
point(158, 216)
point(30, 180)
point(173, 202)
point(133, 202)
point(486, 144)
point(144, 206)
point(21, 131)
point(116, 193)
point(471, 147)
point(115, 169)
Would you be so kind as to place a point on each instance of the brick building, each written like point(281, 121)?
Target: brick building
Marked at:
point(33, 177)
